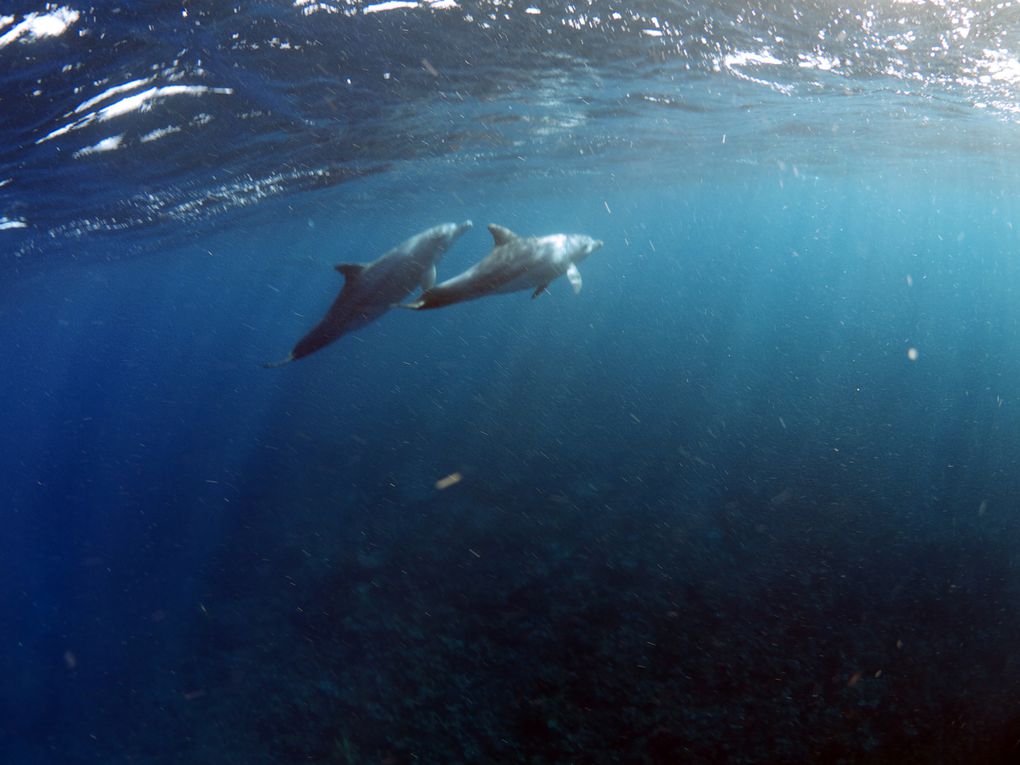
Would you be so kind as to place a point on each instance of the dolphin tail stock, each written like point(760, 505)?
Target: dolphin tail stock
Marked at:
point(415, 305)
point(274, 364)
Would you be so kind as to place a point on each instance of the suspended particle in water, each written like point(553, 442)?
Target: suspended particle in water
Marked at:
point(912, 354)
point(448, 481)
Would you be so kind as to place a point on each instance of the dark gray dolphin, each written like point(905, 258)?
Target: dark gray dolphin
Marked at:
point(371, 290)
point(515, 263)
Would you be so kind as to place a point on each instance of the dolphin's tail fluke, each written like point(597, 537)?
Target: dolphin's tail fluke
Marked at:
point(280, 363)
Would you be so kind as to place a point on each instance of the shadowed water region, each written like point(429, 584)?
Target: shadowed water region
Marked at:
point(748, 497)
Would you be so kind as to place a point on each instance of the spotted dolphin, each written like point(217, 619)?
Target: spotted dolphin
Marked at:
point(515, 263)
point(370, 290)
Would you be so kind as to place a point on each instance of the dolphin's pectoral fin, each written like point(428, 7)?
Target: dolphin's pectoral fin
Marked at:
point(280, 363)
point(349, 270)
point(539, 290)
point(575, 278)
point(501, 235)
point(428, 279)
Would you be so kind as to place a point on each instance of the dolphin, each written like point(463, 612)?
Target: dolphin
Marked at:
point(515, 263)
point(370, 290)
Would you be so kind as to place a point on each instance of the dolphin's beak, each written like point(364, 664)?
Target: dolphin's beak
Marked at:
point(596, 245)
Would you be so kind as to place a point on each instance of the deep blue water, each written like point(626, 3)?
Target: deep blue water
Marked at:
point(751, 496)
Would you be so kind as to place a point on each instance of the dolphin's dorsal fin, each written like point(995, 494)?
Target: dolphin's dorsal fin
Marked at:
point(350, 271)
point(501, 235)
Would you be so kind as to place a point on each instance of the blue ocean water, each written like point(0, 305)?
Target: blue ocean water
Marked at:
point(750, 496)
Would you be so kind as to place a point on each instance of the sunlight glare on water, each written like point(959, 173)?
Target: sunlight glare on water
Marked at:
point(261, 98)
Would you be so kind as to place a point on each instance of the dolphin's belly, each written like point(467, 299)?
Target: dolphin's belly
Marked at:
point(537, 276)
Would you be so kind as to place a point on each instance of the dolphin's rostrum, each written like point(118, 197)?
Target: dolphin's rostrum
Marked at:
point(371, 290)
point(515, 263)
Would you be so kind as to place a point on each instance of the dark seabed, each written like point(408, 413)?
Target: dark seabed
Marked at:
point(750, 497)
